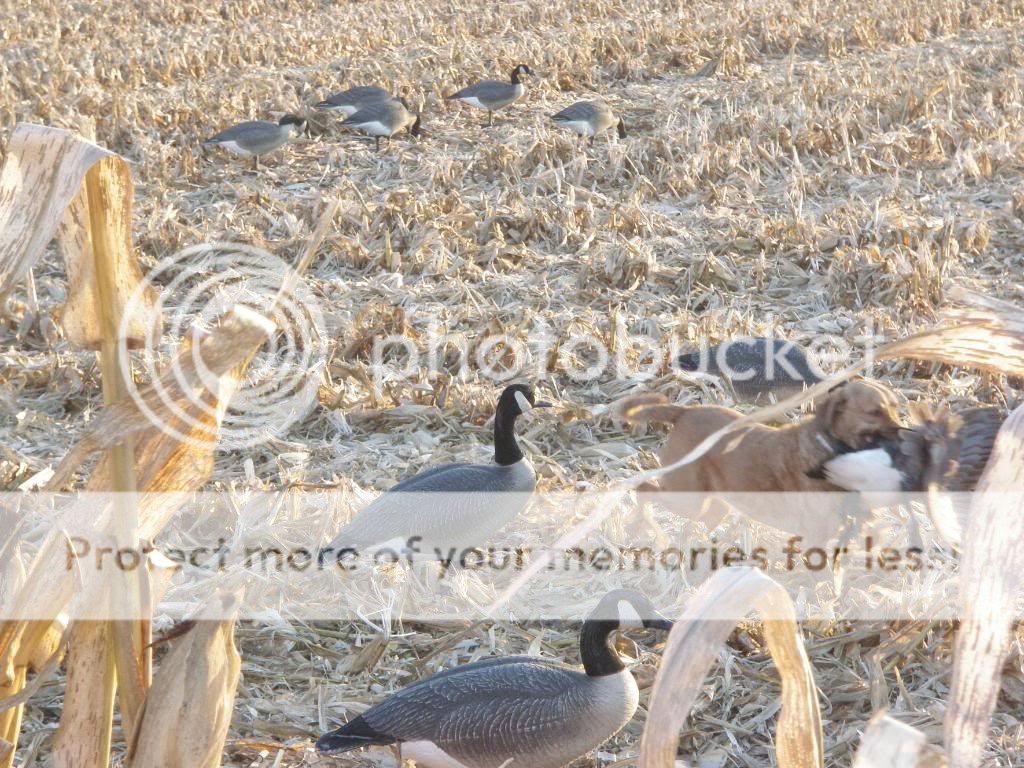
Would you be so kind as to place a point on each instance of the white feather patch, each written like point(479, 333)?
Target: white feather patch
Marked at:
point(233, 148)
point(429, 755)
point(473, 101)
point(629, 617)
point(374, 129)
point(582, 127)
point(865, 471)
point(524, 404)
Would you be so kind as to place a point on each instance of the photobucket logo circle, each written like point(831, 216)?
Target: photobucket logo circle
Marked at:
point(196, 287)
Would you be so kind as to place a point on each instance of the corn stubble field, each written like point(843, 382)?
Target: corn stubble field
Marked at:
point(800, 168)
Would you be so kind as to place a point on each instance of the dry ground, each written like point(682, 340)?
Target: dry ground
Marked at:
point(801, 167)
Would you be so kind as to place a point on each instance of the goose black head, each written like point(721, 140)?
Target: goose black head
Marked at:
point(621, 127)
point(628, 609)
point(518, 399)
point(298, 122)
point(417, 129)
point(520, 70)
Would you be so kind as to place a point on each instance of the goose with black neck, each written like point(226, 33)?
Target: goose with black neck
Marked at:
point(516, 710)
point(452, 507)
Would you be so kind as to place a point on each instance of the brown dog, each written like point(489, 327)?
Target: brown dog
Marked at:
point(761, 458)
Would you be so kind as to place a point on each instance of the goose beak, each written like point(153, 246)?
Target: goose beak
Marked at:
point(543, 404)
point(659, 622)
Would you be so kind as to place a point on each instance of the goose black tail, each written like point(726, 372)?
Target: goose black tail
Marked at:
point(352, 735)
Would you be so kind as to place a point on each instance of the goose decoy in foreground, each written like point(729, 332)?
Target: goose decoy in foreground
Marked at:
point(513, 711)
point(493, 94)
point(756, 367)
point(589, 118)
point(384, 119)
point(944, 450)
point(257, 137)
point(476, 501)
point(351, 101)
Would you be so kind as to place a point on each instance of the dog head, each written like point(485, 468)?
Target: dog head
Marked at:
point(859, 413)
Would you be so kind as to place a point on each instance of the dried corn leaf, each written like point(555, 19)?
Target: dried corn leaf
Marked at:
point(989, 588)
point(42, 190)
point(888, 743)
point(178, 726)
point(693, 647)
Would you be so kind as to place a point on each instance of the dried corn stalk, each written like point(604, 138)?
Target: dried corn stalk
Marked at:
point(693, 647)
point(990, 585)
point(42, 186)
point(186, 718)
point(888, 743)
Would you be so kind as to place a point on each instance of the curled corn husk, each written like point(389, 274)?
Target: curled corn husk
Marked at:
point(187, 713)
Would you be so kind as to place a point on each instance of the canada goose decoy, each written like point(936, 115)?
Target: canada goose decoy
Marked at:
point(493, 94)
point(257, 137)
point(384, 119)
point(478, 499)
point(943, 450)
point(756, 367)
point(351, 101)
point(589, 118)
point(513, 711)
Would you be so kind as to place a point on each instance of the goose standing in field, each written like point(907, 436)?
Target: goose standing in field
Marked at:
point(476, 499)
point(384, 119)
point(514, 711)
point(756, 367)
point(493, 94)
point(589, 118)
point(257, 137)
point(945, 450)
point(351, 101)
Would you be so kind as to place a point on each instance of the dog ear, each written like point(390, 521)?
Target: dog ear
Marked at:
point(827, 409)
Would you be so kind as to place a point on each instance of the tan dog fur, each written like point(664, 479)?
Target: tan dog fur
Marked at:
point(764, 458)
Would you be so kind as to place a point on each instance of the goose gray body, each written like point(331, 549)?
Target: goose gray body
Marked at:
point(473, 501)
point(589, 118)
point(352, 100)
point(493, 94)
point(384, 119)
point(514, 711)
point(757, 367)
point(257, 137)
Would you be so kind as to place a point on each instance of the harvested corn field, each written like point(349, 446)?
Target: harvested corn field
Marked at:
point(824, 172)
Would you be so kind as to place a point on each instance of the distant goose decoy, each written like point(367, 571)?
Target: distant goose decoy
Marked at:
point(756, 367)
point(384, 119)
point(493, 94)
point(945, 450)
point(513, 711)
point(589, 118)
point(351, 101)
point(484, 497)
point(257, 137)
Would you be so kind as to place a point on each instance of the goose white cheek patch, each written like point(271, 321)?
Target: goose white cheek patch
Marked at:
point(524, 404)
point(629, 618)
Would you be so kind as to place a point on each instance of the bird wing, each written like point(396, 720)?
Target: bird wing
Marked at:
point(372, 113)
point(977, 437)
point(581, 110)
point(483, 713)
point(468, 512)
point(359, 93)
point(250, 129)
point(482, 88)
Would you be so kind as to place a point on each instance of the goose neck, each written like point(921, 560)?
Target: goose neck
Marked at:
point(506, 449)
point(596, 651)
